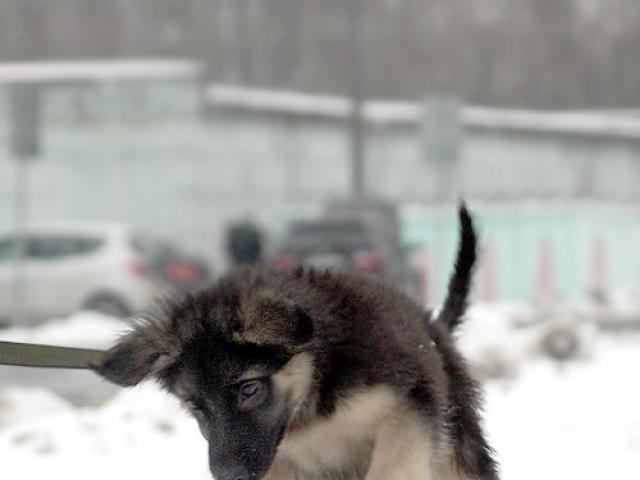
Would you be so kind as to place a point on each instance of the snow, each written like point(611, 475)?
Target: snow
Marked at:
point(20, 405)
point(83, 329)
point(141, 433)
point(574, 420)
point(489, 342)
point(141, 69)
point(277, 100)
point(577, 421)
point(588, 123)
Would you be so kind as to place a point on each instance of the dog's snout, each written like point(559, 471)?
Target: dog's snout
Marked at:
point(236, 473)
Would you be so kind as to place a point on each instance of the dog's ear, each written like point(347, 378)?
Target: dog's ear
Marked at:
point(271, 319)
point(138, 355)
point(303, 326)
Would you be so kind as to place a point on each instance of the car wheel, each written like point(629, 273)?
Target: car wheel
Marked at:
point(107, 304)
point(561, 344)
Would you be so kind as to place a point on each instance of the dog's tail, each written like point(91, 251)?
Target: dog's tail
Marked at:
point(460, 283)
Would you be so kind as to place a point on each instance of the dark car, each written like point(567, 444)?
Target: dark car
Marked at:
point(328, 243)
point(360, 234)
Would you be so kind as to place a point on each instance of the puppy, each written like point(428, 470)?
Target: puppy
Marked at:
point(308, 375)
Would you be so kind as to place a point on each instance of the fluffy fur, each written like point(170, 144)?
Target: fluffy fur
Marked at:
point(353, 379)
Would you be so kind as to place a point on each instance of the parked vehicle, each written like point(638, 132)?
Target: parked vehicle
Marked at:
point(382, 221)
point(352, 234)
point(175, 269)
point(95, 266)
point(325, 243)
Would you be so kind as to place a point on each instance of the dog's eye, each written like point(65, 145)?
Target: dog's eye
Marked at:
point(250, 388)
point(251, 394)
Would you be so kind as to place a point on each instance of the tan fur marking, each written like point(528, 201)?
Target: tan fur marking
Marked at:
point(333, 443)
point(280, 470)
point(448, 471)
point(403, 449)
point(294, 380)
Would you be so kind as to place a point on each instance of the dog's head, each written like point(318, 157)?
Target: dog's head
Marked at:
point(237, 356)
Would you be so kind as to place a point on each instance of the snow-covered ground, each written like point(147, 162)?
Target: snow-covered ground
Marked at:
point(578, 420)
point(575, 421)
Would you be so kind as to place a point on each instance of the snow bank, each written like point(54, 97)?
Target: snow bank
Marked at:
point(600, 124)
point(577, 419)
point(83, 329)
point(20, 405)
point(142, 69)
point(488, 341)
point(141, 433)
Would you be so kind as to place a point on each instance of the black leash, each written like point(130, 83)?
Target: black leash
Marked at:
point(47, 356)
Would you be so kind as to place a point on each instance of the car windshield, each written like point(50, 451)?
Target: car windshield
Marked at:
point(50, 246)
point(327, 236)
point(55, 246)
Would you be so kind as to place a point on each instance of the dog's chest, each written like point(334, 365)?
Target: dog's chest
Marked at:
point(343, 441)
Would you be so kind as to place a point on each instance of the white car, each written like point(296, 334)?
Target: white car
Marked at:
point(74, 266)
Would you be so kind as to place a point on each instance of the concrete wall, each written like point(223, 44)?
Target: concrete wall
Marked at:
point(150, 159)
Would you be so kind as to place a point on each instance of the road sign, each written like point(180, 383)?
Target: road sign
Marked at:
point(442, 129)
point(24, 120)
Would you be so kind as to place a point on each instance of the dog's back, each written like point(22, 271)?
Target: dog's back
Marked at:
point(380, 356)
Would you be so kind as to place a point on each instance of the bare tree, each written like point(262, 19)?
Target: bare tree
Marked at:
point(534, 53)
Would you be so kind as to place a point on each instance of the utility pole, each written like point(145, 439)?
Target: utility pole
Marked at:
point(357, 94)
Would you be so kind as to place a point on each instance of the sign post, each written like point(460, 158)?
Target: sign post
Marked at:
point(24, 142)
